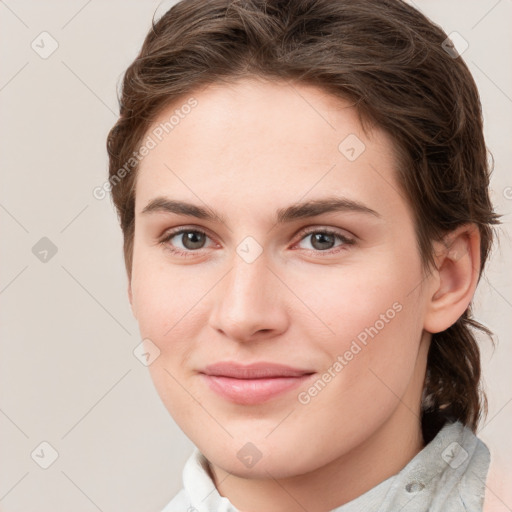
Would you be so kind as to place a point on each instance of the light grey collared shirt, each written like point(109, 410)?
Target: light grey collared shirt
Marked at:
point(448, 475)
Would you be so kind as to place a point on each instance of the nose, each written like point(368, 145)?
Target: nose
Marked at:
point(249, 302)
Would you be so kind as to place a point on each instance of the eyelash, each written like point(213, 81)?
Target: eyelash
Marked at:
point(346, 241)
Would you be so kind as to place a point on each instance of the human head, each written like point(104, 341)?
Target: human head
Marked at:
point(388, 60)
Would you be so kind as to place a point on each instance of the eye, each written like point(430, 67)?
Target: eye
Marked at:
point(322, 240)
point(191, 240)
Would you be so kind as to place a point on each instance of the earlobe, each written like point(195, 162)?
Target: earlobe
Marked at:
point(458, 268)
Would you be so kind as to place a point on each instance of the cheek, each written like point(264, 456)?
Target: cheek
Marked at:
point(349, 298)
point(164, 299)
point(165, 296)
point(374, 324)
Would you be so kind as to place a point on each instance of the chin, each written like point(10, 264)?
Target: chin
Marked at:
point(279, 463)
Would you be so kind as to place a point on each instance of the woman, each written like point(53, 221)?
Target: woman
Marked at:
point(303, 192)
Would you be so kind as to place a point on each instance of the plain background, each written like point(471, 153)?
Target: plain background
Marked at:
point(68, 375)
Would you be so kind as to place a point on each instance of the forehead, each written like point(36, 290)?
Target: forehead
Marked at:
point(266, 139)
point(256, 112)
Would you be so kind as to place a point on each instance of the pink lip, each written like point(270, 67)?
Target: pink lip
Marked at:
point(255, 383)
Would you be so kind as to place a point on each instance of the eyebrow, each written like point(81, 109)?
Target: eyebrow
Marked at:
point(293, 212)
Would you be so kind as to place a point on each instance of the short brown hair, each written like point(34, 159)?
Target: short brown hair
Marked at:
point(390, 60)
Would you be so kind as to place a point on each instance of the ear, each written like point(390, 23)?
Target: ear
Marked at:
point(453, 282)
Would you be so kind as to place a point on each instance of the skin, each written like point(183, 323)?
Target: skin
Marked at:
point(245, 151)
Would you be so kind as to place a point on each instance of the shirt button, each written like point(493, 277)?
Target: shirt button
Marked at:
point(414, 487)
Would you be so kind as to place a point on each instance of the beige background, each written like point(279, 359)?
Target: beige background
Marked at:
point(68, 375)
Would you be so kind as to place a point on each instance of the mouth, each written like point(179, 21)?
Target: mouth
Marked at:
point(255, 383)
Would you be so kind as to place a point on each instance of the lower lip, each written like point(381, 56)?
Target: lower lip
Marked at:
point(253, 391)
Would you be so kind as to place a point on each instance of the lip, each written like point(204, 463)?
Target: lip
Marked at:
point(255, 383)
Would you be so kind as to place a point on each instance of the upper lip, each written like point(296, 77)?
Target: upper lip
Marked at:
point(257, 370)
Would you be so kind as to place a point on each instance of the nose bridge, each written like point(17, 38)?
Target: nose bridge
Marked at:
point(247, 300)
point(247, 284)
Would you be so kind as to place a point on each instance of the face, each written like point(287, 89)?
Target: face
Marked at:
point(286, 333)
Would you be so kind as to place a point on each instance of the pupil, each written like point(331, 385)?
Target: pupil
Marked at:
point(190, 240)
point(318, 239)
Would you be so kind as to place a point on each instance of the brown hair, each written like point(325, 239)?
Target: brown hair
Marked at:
point(390, 60)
